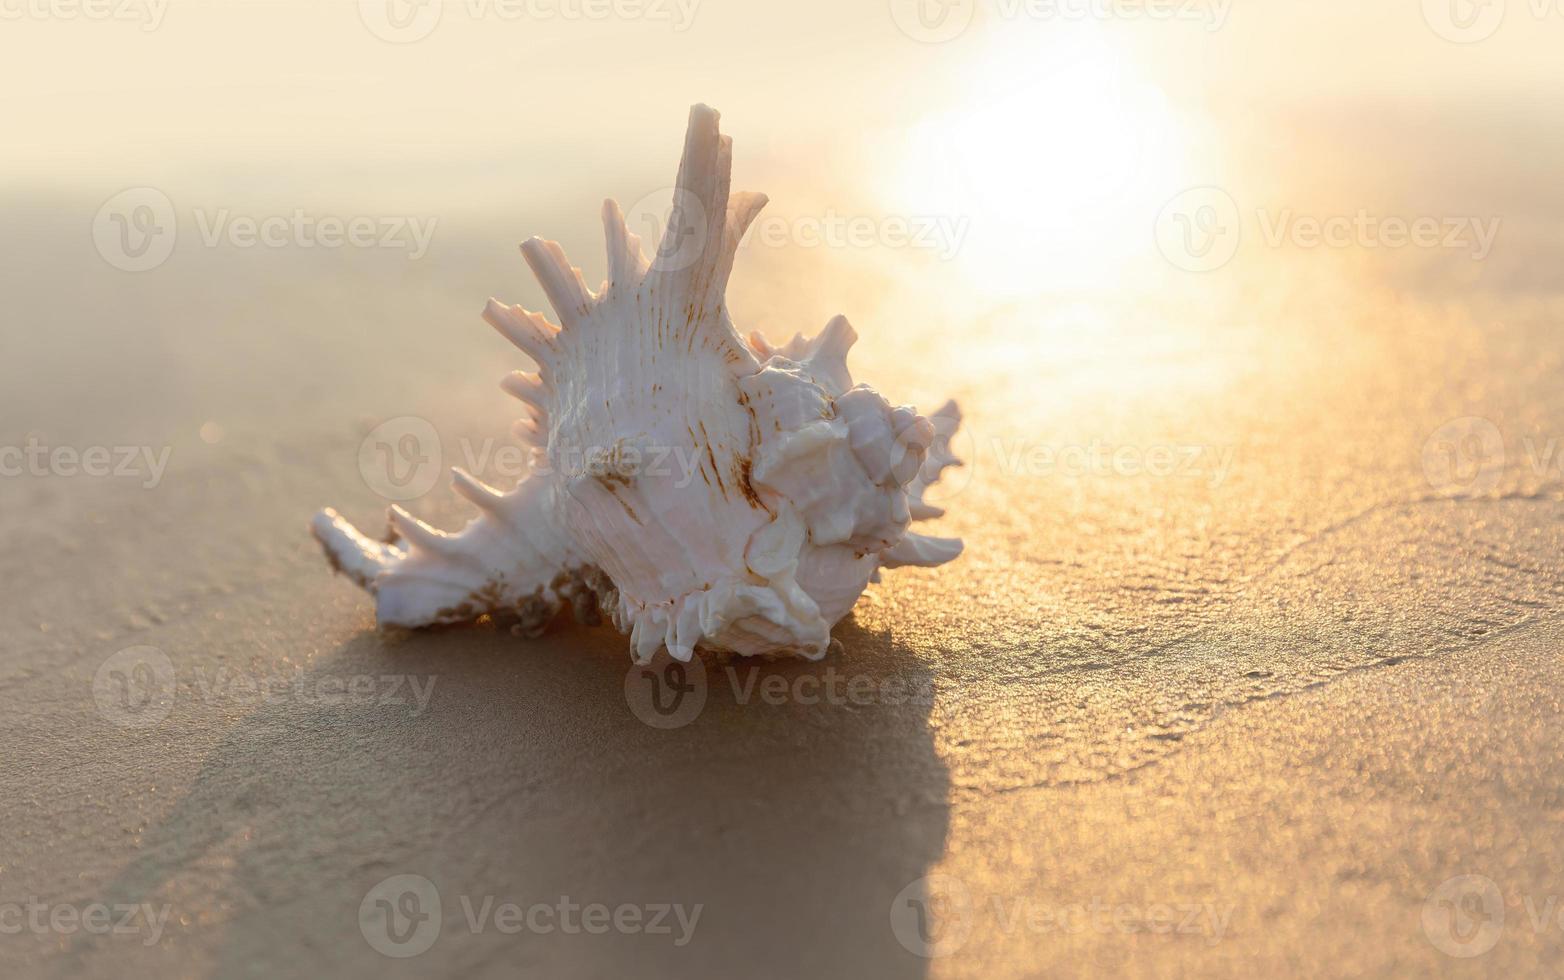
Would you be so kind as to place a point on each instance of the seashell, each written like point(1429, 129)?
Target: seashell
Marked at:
point(799, 485)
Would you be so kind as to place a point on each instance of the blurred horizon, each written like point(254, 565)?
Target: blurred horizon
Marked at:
point(1064, 187)
point(1051, 141)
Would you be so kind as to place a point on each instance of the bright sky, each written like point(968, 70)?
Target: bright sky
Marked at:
point(257, 83)
point(1055, 128)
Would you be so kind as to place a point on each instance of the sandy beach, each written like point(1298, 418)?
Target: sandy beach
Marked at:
point(1251, 663)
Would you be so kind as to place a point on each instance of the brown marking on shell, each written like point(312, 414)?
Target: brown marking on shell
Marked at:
point(712, 456)
point(611, 478)
point(588, 590)
point(745, 466)
point(613, 491)
point(533, 614)
point(479, 601)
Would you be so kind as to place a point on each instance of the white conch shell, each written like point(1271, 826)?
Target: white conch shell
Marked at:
point(799, 485)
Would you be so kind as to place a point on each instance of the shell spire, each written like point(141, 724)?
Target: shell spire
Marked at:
point(531, 332)
point(699, 491)
point(695, 257)
point(626, 265)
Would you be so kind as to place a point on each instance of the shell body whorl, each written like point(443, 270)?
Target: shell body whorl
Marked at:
point(697, 489)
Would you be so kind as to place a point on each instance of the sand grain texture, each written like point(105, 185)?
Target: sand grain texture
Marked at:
point(1300, 689)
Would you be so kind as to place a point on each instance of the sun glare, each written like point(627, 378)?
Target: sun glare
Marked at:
point(1060, 161)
